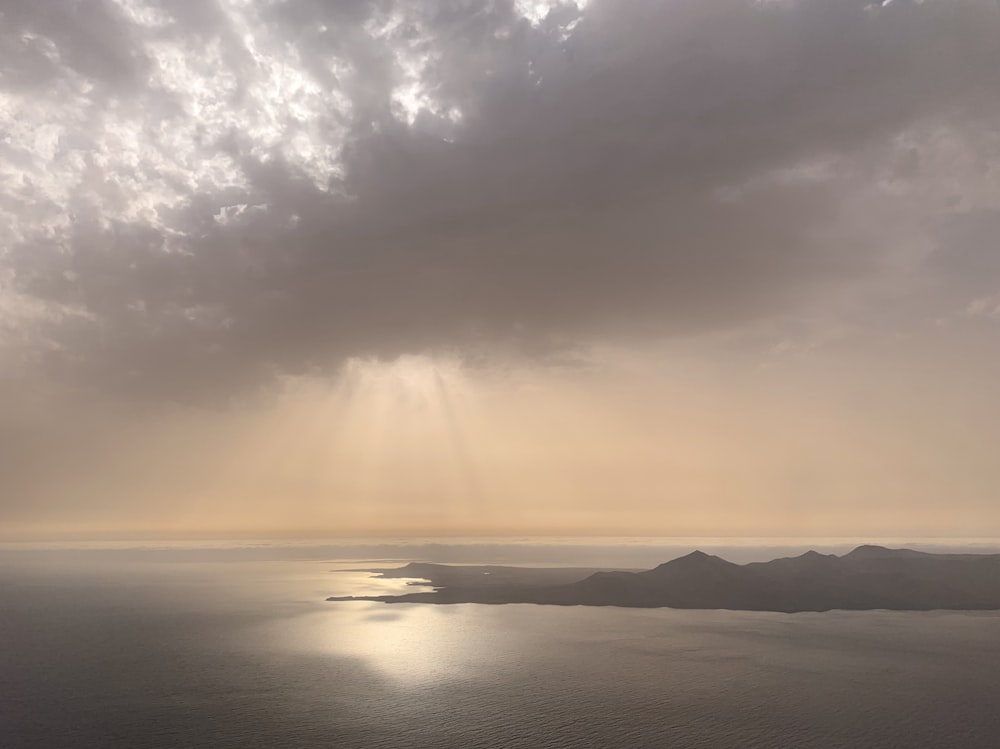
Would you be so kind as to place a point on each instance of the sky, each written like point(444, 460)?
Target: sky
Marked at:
point(653, 267)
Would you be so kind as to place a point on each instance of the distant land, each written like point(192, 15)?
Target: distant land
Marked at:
point(869, 577)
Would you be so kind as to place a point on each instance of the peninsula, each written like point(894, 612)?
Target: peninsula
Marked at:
point(869, 577)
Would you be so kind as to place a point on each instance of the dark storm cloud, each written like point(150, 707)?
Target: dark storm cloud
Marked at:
point(236, 190)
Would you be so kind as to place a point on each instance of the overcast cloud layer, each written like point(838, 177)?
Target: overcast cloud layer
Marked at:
point(199, 198)
point(195, 194)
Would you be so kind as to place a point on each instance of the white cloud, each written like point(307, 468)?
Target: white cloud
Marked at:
point(74, 152)
point(988, 306)
point(536, 11)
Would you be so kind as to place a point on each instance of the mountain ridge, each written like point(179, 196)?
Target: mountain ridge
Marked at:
point(868, 577)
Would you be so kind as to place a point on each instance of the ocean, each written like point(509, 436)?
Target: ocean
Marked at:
point(236, 647)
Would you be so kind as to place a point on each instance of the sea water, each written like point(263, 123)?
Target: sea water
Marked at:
point(171, 649)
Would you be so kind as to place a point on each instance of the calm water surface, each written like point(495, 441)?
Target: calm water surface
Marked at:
point(247, 653)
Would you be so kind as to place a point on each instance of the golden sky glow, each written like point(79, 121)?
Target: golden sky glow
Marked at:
point(536, 267)
point(647, 445)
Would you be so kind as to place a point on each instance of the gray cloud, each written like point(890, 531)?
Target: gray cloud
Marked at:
point(198, 196)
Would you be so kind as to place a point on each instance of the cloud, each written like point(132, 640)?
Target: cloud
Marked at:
point(988, 306)
point(200, 195)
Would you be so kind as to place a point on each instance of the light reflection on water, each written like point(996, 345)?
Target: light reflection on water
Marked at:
point(250, 654)
point(407, 643)
point(352, 579)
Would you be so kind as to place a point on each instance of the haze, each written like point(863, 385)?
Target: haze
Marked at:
point(533, 267)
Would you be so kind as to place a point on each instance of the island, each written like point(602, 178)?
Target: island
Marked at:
point(869, 577)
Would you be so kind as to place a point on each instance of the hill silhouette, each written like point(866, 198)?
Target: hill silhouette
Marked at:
point(869, 577)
